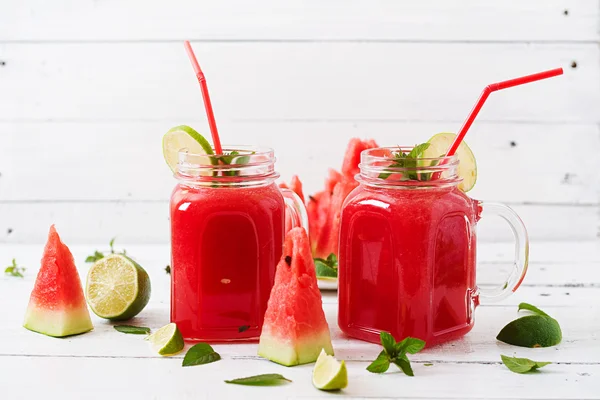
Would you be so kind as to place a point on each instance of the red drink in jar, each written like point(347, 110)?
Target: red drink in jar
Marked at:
point(227, 229)
point(408, 251)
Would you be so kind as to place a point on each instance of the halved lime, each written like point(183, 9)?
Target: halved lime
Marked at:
point(183, 137)
point(329, 373)
point(117, 288)
point(467, 168)
point(167, 340)
point(532, 331)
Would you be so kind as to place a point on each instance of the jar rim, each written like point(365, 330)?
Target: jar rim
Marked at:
point(383, 166)
point(255, 154)
point(386, 153)
point(247, 166)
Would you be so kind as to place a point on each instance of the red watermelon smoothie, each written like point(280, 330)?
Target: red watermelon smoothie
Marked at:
point(407, 252)
point(227, 229)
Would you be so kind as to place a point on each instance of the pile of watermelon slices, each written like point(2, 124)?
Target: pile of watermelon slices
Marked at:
point(325, 207)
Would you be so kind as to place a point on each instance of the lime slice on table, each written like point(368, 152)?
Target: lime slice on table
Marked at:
point(167, 340)
point(183, 137)
point(467, 168)
point(329, 373)
point(117, 288)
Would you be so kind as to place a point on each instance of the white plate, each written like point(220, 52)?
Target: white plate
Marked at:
point(327, 284)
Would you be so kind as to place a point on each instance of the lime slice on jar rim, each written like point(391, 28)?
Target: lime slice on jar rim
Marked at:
point(185, 138)
point(467, 167)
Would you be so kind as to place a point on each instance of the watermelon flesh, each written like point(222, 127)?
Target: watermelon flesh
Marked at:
point(296, 186)
point(324, 208)
point(294, 329)
point(57, 305)
point(352, 156)
point(326, 238)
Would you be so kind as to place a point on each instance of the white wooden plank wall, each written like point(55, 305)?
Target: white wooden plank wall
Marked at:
point(87, 88)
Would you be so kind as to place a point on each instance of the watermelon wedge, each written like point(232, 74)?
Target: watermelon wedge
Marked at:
point(324, 208)
point(296, 186)
point(57, 305)
point(326, 242)
point(352, 156)
point(333, 178)
point(295, 329)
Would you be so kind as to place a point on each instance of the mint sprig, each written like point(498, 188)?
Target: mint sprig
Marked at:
point(522, 365)
point(97, 255)
point(234, 158)
point(327, 268)
point(14, 269)
point(409, 162)
point(395, 353)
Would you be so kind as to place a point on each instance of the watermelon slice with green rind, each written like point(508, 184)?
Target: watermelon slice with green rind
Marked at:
point(295, 329)
point(57, 304)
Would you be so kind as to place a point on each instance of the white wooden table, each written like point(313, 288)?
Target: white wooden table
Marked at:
point(564, 280)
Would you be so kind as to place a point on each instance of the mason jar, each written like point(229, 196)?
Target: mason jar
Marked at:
point(227, 230)
point(408, 246)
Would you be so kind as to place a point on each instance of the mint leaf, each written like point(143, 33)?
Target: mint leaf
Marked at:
point(94, 257)
point(522, 365)
point(404, 365)
point(532, 308)
point(381, 363)
point(408, 161)
point(241, 160)
point(399, 163)
point(261, 380)
point(226, 158)
point(201, 353)
point(327, 268)
point(324, 270)
point(99, 255)
point(15, 270)
point(427, 175)
point(410, 345)
point(389, 343)
point(234, 158)
point(428, 365)
point(134, 330)
point(418, 150)
point(168, 269)
point(332, 260)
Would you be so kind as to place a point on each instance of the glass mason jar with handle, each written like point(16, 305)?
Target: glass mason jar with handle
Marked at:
point(408, 251)
point(227, 230)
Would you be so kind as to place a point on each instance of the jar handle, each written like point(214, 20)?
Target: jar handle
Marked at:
point(521, 260)
point(296, 210)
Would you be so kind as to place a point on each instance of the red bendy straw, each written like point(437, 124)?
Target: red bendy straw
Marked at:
point(206, 97)
point(485, 94)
